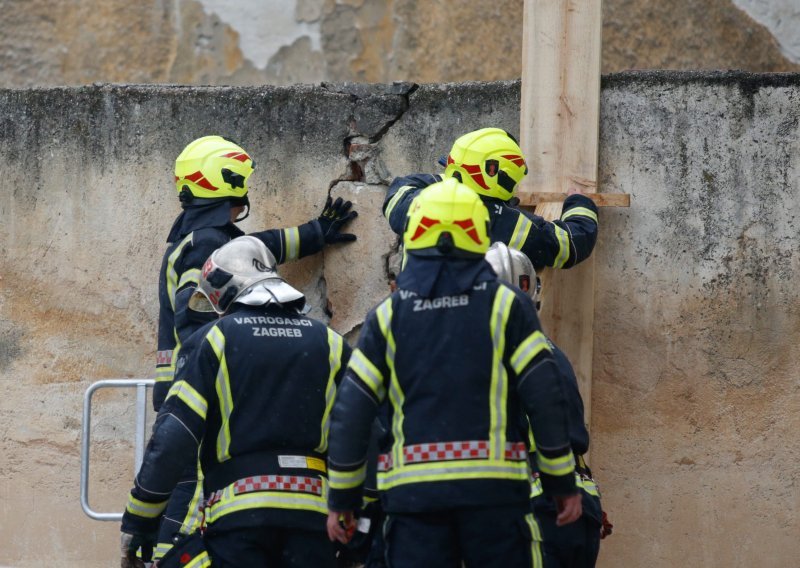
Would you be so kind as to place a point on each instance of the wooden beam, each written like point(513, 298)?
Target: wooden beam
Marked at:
point(559, 127)
point(600, 199)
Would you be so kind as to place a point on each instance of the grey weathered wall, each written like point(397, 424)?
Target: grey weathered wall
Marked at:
point(695, 390)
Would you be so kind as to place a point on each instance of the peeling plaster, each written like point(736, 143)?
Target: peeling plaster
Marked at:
point(781, 18)
point(264, 26)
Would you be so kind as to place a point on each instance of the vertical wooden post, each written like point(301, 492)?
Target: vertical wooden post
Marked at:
point(559, 128)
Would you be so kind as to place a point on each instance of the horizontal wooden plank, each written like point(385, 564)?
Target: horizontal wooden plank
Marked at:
point(532, 199)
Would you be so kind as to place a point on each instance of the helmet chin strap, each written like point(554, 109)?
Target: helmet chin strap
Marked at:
point(246, 213)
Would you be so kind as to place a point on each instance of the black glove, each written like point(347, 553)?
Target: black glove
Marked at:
point(335, 215)
point(130, 545)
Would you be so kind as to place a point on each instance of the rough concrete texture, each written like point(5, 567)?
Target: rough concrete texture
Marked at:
point(695, 391)
point(49, 42)
point(88, 200)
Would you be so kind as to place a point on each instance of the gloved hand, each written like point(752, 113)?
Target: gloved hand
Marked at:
point(334, 216)
point(129, 546)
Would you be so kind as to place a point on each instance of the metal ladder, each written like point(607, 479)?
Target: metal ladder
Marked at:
point(141, 386)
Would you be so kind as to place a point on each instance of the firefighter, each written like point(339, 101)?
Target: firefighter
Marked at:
point(489, 161)
point(211, 176)
point(459, 361)
point(253, 393)
point(575, 545)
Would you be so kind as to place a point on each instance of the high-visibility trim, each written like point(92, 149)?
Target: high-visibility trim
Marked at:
point(223, 387)
point(172, 274)
point(396, 199)
point(339, 479)
point(229, 501)
point(145, 509)
point(536, 541)
point(396, 396)
point(290, 483)
point(498, 393)
point(202, 560)
point(588, 484)
point(193, 399)
point(452, 451)
point(562, 465)
point(520, 234)
point(190, 276)
point(447, 471)
point(161, 549)
point(164, 357)
point(536, 486)
point(368, 373)
point(534, 344)
point(292, 240)
point(164, 374)
point(563, 246)
point(335, 347)
point(581, 211)
point(194, 513)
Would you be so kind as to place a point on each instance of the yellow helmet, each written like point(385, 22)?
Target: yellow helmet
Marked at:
point(212, 167)
point(488, 161)
point(447, 218)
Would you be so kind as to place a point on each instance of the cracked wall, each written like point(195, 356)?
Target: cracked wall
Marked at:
point(308, 41)
point(696, 314)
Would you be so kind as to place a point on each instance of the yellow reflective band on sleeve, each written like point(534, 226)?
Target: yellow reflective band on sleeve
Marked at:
point(292, 239)
point(194, 514)
point(347, 479)
point(520, 234)
point(498, 393)
point(335, 346)
point(164, 374)
point(160, 550)
point(396, 199)
point(145, 509)
point(223, 388)
point(455, 470)
point(172, 274)
point(534, 344)
point(562, 465)
point(580, 211)
point(192, 276)
point(563, 246)
point(396, 396)
point(193, 399)
point(368, 373)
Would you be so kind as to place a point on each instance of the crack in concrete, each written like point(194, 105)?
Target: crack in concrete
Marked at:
point(365, 166)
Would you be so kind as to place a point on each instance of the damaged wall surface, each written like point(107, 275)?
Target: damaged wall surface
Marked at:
point(253, 42)
point(696, 320)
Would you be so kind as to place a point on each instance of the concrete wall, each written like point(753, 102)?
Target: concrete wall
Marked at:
point(74, 42)
point(695, 391)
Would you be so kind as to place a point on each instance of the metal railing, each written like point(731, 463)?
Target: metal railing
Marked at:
point(141, 436)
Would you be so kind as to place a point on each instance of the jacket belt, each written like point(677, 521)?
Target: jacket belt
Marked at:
point(290, 463)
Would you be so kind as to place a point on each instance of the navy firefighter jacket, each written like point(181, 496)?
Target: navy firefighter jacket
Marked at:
point(180, 273)
point(560, 244)
point(459, 373)
point(254, 391)
point(579, 439)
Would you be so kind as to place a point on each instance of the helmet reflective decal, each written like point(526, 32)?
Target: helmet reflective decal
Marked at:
point(475, 172)
point(199, 179)
point(469, 226)
point(241, 156)
point(424, 224)
point(517, 160)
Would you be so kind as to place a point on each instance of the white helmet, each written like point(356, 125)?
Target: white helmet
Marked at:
point(516, 268)
point(242, 271)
